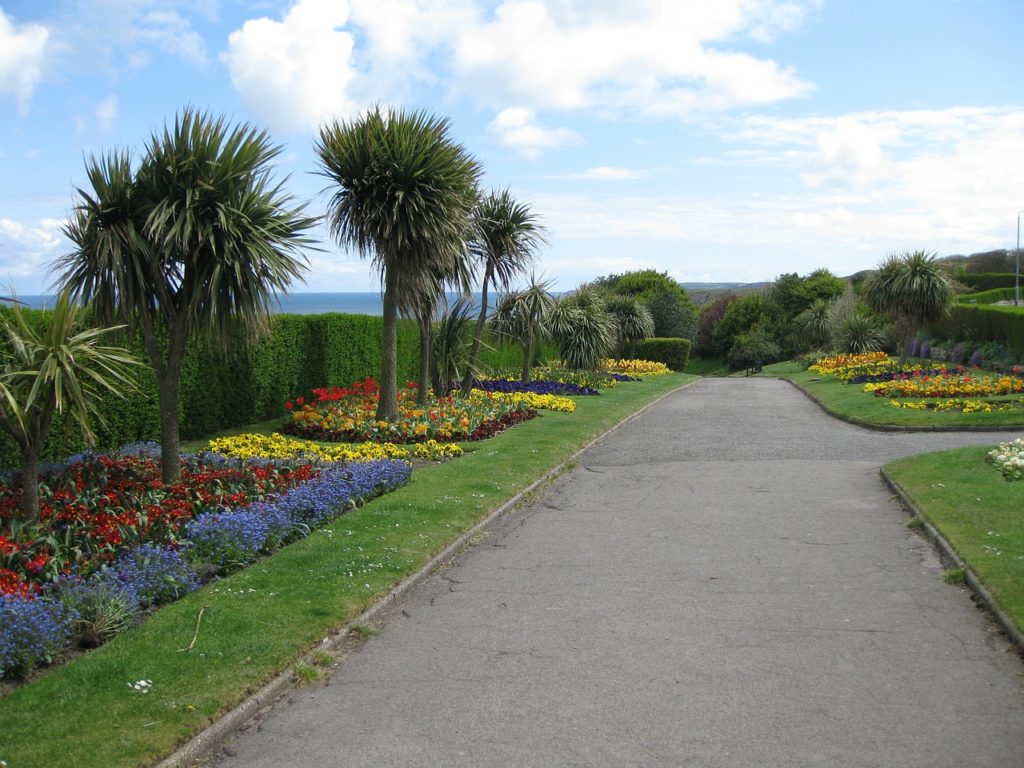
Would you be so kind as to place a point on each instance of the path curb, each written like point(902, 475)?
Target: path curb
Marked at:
point(949, 557)
point(201, 746)
point(900, 427)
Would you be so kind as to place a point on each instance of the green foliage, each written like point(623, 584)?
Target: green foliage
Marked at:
point(633, 320)
point(675, 353)
point(739, 317)
point(673, 313)
point(987, 297)
point(220, 392)
point(710, 316)
point(983, 323)
point(986, 281)
point(451, 347)
point(583, 329)
point(788, 308)
point(755, 346)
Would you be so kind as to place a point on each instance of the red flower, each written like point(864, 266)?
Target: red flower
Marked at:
point(288, 406)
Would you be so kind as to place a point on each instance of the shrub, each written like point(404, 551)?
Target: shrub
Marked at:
point(32, 632)
point(675, 353)
point(982, 323)
point(755, 347)
point(986, 281)
point(103, 607)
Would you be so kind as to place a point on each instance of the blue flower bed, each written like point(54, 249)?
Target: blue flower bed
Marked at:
point(890, 375)
point(537, 387)
point(33, 631)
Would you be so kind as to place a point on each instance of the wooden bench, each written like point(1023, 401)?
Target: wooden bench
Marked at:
point(754, 368)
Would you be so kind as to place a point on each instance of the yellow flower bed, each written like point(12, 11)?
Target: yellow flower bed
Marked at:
point(954, 404)
point(532, 400)
point(948, 385)
point(635, 367)
point(277, 446)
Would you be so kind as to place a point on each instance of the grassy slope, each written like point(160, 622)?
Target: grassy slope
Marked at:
point(259, 621)
point(978, 512)
point(849, 402)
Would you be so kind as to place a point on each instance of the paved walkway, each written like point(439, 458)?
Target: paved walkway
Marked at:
point(724, 581)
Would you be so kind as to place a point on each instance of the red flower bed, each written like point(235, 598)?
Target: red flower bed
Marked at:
point(98, 506)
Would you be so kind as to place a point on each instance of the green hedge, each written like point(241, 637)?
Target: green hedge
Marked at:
point(986, 297)
point(982, 322)
point(221, 391)
point(986, 281)
point(675, 353)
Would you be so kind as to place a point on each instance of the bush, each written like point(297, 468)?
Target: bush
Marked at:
point(740, 316)
point(32, 632)
point(675, 353)
point(986, 281)
point(219, 392)
point(756, 347)
point(981, 322)
point(986, 297)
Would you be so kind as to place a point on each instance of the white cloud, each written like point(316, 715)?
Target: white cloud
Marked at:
point(22, 48)
point(607, 173)
point(518, 128)
point(27, 248)
point(106, 113)
point(295, 73)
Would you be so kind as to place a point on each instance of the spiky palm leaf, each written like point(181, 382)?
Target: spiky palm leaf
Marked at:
point(633, 319)
point(584, 330)
point(524, 317)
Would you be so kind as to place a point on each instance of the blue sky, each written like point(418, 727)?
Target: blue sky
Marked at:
point(725, 140)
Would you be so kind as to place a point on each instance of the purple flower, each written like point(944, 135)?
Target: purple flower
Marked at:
point(32, 632)
point(153, 574)
point(537, 387)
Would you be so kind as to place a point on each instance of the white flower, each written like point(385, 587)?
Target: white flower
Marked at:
point(141, 686)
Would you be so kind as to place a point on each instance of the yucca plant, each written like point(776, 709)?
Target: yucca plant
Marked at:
point(583, 329)
point(633, 321)
point(193, 244)
point(524, 317)
point(403, 193)
point(59, 367)
point(859, 332)
point(451, 343)
point(912, 289)
point(506, 236)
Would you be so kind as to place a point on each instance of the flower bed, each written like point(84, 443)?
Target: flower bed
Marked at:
point(348, 414)
point(537, 386)
point(95, 597)
point(635, 367)
point(1008, 458)
point(956, 404)
point(851, 365)
point(946, 384)
point(277, 446)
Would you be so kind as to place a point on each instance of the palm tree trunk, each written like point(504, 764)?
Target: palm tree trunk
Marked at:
point(387, 406)
point(170, 439)
point(30, 483)
point(425, 321)
point(478, 334)
point(527, 357)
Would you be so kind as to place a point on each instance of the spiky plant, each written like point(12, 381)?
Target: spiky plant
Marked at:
point(524, 317)
point(633, 321)
point(192, 245)
point(583, 329)
point(403, 193)
point(506, 236)
point(912, 289)
point(60, 367)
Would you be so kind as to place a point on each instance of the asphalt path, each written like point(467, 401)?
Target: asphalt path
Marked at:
point(722, 581)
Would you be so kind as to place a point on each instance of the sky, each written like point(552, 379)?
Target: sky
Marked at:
point(716, 140)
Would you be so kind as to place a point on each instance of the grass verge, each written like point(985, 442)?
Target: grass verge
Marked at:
point(707, 366)
point(977, 512)
point(258, 622)
point(849, 402)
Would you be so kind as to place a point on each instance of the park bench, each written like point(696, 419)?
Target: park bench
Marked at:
point(753, 368)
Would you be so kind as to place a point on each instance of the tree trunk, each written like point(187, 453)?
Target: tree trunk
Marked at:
point(425, 355)
point(387, 406)
point(474, 351)
point(170, 440)
point(30, 483)
point(527, 357)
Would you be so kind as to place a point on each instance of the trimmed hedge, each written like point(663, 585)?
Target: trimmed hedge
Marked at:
point(983, 322)
point(986, 297)
point(221, 391)
point(986, 281)
point(675, 353)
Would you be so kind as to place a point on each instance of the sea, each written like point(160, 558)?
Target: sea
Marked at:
point(298, 303)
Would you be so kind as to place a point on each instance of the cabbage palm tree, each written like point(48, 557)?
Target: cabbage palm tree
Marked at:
point(584, 330)
point(404, 191)
point(193, 244)
point(506, 238)
point(58, 368)
point(524, 317)
point(912, 289)
point(633, 321)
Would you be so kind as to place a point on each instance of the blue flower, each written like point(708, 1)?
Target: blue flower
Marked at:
point(32, 632)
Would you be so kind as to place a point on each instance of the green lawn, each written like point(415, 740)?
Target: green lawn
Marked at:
point(707, 366)
point(977, 512)
point(848, 401)
point(259, 621)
